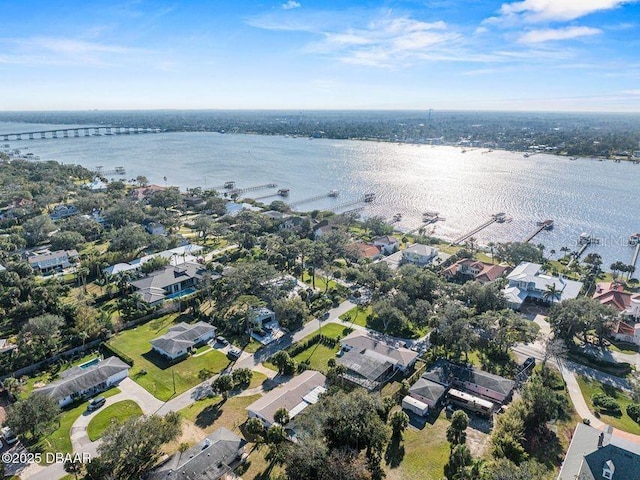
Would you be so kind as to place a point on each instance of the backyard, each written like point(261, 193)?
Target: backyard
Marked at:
point(155, 374)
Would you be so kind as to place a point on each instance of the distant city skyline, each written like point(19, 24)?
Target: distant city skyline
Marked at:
point(552, 55)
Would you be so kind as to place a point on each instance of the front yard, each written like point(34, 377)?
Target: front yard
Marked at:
point(357, 315)
point(622, 421)
point(152, 372)
point(118, 412)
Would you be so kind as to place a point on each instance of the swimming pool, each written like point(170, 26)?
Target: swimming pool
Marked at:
point(90, 363)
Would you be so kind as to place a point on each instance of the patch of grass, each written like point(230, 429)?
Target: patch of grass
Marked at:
point(357, 315)
point(118, 412)
point(321, 282)
point(331, 330)
point(257, 379)
point(60, 440)
point(623, 421)
point(424, 453)
point(213, 413)
point(317, 356)
point(160, 376)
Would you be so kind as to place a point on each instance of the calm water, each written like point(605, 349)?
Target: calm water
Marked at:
point(601, 198)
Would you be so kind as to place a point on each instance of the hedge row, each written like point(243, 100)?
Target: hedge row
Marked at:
point(633, 410)
point(322, 339)
point(605, 402)
point(117, 352)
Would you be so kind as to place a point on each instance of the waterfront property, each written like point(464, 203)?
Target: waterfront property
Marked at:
point(181, 338)
point(46, 262)
point(142, 193)
point(387, 244)
point(470, 269)
point(169, 282)
point(528, 281)
point(594, 454)
point(294, 396)
point(419, 254)
point(63, 211)
point(363, 250)
point(85, 380)
point(370, 363)
point(212, 458)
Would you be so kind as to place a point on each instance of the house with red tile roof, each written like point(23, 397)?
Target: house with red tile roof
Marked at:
point(141, 193)
point(363, 250)
point(613, 295)
point(475, 269)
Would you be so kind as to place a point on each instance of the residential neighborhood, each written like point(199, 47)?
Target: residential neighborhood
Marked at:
point(232, 341)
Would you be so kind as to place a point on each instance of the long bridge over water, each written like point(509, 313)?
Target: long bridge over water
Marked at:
point(71, 132)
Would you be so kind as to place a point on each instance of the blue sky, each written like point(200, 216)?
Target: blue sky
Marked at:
point(558, 55)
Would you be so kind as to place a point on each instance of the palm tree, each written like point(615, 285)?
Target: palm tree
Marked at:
point(551, 293)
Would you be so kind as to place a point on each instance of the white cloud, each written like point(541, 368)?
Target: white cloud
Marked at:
point(550, 34)
point(554, 10)
point(291, 4)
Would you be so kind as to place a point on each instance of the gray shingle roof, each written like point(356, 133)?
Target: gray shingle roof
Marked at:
point(428, 389)
point(397, 355)
point(169, 275)
point(181, 336)
point(445, 373)
point(202, 462)
point(79, 379)
point(367, 364)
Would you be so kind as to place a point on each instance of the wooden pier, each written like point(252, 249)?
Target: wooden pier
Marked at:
point(428, 218)
point(283, 192)
point(331, 194)
point(350, 203)
point(115, 171)
point(546, 225)
point(498, 217)
point(240, 191)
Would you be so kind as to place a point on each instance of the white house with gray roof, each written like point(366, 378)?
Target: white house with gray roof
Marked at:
point(528, 280)
point(182, 337)
point(212, 458)
point(84, 381)
point(294, 396)
point(170, 282)
point(419, 254)
point(52, 261)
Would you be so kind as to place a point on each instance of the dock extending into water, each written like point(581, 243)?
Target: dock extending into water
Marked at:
point(240, 191)
point(498, 217)
point(546, 225)
point(331, 194)
point(351, 203)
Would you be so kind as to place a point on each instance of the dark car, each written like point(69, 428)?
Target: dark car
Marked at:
point(234, 353)
point(96, 403)
point(222, 340)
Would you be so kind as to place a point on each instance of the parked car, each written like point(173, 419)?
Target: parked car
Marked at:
point(222, 340)
point(234, 353)
point(8, 436)
point(96, 403)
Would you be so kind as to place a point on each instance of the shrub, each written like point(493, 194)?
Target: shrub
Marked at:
point(110, 349)
point(605, 402)
point(633, 410)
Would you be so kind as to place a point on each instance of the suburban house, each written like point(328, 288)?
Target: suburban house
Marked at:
point(419, 254)
point(294, 396)
point(176, 256)
point(85, 380)
point(527, 281)
point(154, 228)
point(370, 362)
point(169, 282)
point(181, 338)
point(387, 244)
point(212, 458)
point(478, 382)
point(142, 193)
point(294, 223)
point(627, 327)
point(362, 250)
point(595, 455)
point(428, 392)
point(96, 185)
point(52, 261)
point(470, 269)
point(63, 211)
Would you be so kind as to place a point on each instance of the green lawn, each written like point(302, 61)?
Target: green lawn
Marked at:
point(321, 282)
point(422, 454)
point(213, 413)
point(59, 440)
point(331, 330)
point(257, 379)
point(317, 355)
point(623, 421)
point(118, 413)
point(159, 377)
point(357, 315)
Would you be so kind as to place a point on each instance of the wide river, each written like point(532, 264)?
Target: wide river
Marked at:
point(585, 195)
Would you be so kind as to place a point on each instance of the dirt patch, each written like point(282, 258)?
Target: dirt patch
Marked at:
point(477, 441)
point(191, 434)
